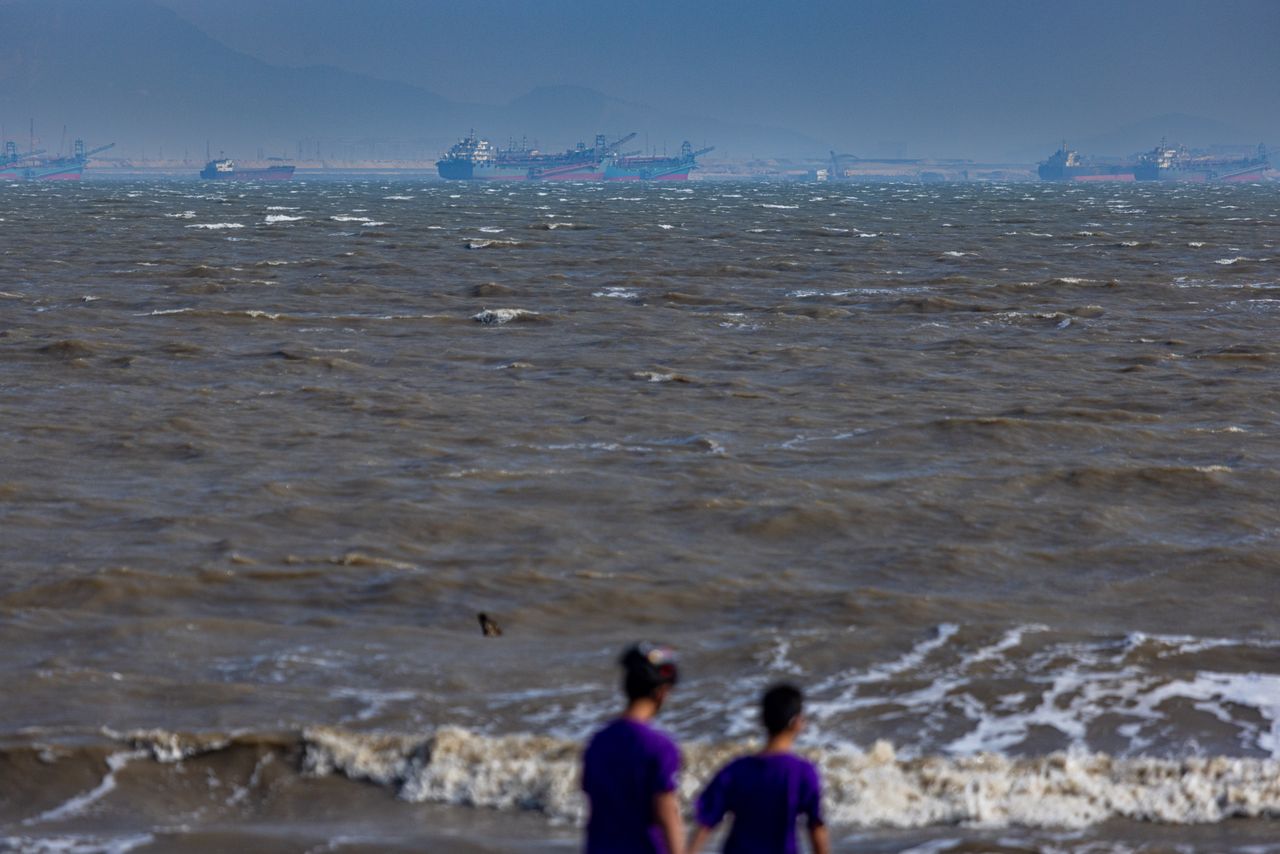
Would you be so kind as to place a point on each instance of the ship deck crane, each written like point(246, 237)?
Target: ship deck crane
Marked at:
point(81, 154)
point(11, 154)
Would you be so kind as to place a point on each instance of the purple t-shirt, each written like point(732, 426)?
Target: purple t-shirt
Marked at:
point(626, 764)
point(765, 795)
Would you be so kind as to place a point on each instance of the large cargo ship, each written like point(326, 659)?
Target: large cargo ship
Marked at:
point(1067, 165)
point(1169, 163)
point(31, 166)
point(625, 168)
point(476, 159)
point(225, 169)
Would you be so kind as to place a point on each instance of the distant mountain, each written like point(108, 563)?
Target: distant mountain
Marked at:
point(134, 72)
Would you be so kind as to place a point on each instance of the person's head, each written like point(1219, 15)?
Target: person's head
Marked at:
point(782, 709)
point(648, 672)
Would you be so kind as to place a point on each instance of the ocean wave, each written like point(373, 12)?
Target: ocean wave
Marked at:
point(491, 244)
point(875, 787)
point(500, 316)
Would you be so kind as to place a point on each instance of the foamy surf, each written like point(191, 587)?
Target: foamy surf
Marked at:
point(863, 788)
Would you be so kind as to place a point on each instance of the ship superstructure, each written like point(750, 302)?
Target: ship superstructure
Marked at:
point(476, 159)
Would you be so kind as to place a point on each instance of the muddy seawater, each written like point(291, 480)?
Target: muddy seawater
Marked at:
point(993, 472)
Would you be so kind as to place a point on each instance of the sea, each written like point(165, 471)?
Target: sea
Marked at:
point(991, 471)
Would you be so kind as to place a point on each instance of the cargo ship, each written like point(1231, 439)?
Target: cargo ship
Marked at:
point(1067, 165)
point(1169, 163)
point(224, 169)
point(476, 159)
point(30, 166)
point(625, 168)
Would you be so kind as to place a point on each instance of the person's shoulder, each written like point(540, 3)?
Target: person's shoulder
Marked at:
point(794, 763)
point(657, 739)
point(805, 767)
point(606, 733)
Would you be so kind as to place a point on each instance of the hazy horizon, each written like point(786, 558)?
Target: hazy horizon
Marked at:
point(994, 80)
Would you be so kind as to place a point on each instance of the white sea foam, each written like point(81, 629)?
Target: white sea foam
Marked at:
point(874, 787)
point(1229, 261)
point(216, 226)
point(781, 207)
point(75, 844)
point(364, 220)
point(613, 292)
point(500, 316)
point(77, 804)
point(281, 218)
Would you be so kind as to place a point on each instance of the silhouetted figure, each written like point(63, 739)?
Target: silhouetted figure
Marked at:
point(488, 626)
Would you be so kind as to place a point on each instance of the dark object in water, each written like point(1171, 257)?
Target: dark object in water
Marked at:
point(488, 626)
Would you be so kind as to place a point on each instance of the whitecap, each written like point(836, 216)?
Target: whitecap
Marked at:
point(499, 316)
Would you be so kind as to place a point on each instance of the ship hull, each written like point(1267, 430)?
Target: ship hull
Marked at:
point(42, 173)
point(1085, 174)
point(1204, 176)
point(461, 170)
point(674, 176)
point(271, 173)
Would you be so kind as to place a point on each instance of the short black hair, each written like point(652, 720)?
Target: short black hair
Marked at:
point(647, 667)
point(779, 706)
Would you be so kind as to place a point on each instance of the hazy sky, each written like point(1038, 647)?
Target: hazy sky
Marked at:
point(957, 76)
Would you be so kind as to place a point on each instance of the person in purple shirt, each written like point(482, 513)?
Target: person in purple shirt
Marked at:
point(629, 768)
point(766, 792)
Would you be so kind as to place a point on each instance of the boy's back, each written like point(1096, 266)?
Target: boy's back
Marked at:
point(766, 793)
point(626, 764)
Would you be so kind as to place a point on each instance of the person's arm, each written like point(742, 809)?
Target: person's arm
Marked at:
point(666, 812)
point(819, 839)
point(699, 838)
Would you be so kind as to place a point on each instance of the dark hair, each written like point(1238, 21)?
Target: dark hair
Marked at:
point(779, 706)
point(646, 667)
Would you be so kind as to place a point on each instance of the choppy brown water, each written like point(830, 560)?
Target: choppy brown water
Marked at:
point(991, 470)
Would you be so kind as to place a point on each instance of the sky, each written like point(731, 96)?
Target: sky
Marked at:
point(901, 76)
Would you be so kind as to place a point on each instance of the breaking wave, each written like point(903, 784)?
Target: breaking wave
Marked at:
point(871, 788)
